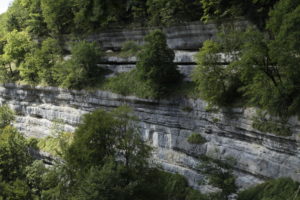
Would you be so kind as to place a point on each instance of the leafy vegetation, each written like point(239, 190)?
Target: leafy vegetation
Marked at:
point(6, 116)
point(128, 83)
point(282, 188)
point(262, 65)
point(266, 124)
point(156, 75)
point(252, 10)
point(219, 174)
point(81, 70)
point(130, 48)
point(195, 138)
point(155, 64)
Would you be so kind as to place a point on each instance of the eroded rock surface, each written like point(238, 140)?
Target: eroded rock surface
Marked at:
point(166, 125)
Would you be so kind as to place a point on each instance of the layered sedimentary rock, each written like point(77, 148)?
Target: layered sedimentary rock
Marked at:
point(185, 61)
point(166, 125)
point(182, 37)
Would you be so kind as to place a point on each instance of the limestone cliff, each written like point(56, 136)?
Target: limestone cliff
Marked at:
point(166, 125)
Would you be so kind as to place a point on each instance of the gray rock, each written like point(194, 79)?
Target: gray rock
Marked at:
point(166, 126)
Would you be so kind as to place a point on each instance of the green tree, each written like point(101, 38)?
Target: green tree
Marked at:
point(91, 15)
point(216, 75)
point(165, 13)
point(26, 15)
point(253, 10)
point(93, 141)
point(81, 70)
point(14, 154)
point(6, 116)
point(35, 175)
point(17, 15)
point(58, 15)
point(155, 64)
point(139, 11)
point(17, 45)
point(111, 134)
point(106, 182)
point(270, 67)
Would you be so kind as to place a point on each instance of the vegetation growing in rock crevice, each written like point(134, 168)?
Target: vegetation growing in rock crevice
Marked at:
point(196, 138)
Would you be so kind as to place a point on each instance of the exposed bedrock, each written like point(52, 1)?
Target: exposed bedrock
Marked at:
point(182, 37)
point(166, 125)
point(185, 61)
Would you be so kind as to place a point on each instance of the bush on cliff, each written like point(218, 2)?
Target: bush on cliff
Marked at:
point(155, 76)
point(155, 64)
point(81, 70)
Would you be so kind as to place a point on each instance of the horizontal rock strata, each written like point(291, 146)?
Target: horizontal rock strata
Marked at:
point(166, 125)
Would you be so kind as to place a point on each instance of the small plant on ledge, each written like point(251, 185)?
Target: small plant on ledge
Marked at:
point(265, 124)
point(195, 138)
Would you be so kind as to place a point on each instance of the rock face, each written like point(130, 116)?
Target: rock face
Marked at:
point(185, 61)
point(166, 125)
point(182, 37)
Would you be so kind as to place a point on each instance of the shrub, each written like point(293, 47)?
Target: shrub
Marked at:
point(54, 145)
point(219, 174)
point(6, 116)
point(277, 189)
point(81, 70)
point(155, 64)
point(130, 48)
point(217, 84)
point(277, 127)
point(127, 83)
point(196, 195)
point(195, 138)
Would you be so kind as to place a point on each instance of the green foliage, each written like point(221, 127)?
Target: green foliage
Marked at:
point(196, 195)
point(16, 16)
point(219, 174)
point(38, 65)
point(35, 176)
point(90, 15)
point(16, 47)
point(128, 83)
point(267, 125)
point(26, 15)
point(277, 189)
point(14, 155)
point(81, 70)
point(110, 133)
point(6, 116)
point(104, 183)
point(195, 138)
point(53, 144)
point(155, 64)
point(165, 13)
point(50, 53)
point(217, 77)
point(255, 11)
point(58, 15)
point(3, 18)
point(262, 67)
point(130, 48)
point(217, 83)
